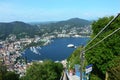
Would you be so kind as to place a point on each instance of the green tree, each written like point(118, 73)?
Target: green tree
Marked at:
point(3, 71)
point(74, 58)
point(7, 75)
point(11, 76)
point(105, 56)
point(48, 70)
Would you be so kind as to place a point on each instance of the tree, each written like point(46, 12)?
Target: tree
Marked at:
point(105, 56)
point(11, 76)
point(74, 58)
point(3, 71)
point(7, 75)
point(48, 70)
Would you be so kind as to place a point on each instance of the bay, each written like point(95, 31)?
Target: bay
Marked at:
point(57, 50)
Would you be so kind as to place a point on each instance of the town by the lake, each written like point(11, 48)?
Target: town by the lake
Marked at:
point(11, 49)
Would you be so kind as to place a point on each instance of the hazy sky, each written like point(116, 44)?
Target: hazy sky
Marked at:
point(56, 10)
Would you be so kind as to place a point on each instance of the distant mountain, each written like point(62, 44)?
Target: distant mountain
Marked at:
point(73, 22)
point(37, 23)
point(21, 29)
point(77, 21)
point(17, 28)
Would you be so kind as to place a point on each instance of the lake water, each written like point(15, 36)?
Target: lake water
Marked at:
point(57, 50)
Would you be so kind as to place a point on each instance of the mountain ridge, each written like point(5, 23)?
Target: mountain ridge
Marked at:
point(16, 27)
point(19, 27)
point(67, 20)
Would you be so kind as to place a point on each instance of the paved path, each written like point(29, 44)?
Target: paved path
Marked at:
point(65, 77)
point(73, 77)
point(69, 77)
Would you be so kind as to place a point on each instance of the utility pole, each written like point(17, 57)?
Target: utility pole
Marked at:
point(81, 63)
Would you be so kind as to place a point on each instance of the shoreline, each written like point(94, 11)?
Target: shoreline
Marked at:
point(46, 56)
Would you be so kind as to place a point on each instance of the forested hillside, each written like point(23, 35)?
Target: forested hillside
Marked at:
point(18, 28)
point(66, 24)
point(48, 70)
point(21, 29)
point(105, 56)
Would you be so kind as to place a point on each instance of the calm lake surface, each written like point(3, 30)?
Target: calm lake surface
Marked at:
point(57, 50)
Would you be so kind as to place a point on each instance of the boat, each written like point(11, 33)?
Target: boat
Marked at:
point(70, 45)
point(34, 50)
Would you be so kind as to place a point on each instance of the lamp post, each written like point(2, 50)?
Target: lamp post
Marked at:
point(81, 63)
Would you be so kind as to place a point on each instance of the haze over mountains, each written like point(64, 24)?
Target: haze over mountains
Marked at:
point(22, 29)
